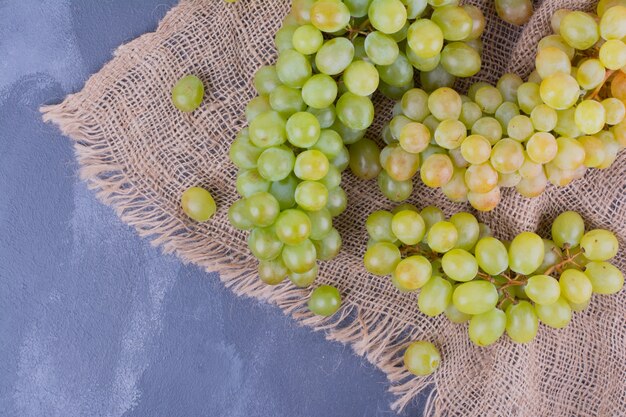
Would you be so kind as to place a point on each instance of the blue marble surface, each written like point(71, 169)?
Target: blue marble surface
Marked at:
point(93, 320)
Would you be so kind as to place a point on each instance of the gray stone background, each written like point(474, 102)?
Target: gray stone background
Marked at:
point(93, 320)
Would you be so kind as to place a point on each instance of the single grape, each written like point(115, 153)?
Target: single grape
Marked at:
point(542, 147)
point(307, 39)
point(364, 159)
point(425, 38)
point(251, 182)
point(329, 143)
point(329, 15)
point(507, 156)
point(556, 315)
point(329, 246)
point(491, 255)
point(421, 358)
point(506, 112)
point(486, 328)
point(599, 245)
point(570, 154)
point(612, 23)
point(266, 79)
point(319, 91)
point(356, 112)
point(381, 49)
point(256, 106)
point(530, 168)
point(286, 100)
point(311, 195)
point(272, 272)
point(604, 277)
point(300, 258)
point(544, 118)
point(283, 37)
point(579, 29)
point(521, 322)
point(276, 163)
point(568, 229)
point(325, 300)
point(437, 170)
point(334, 56)
point(475, 297)
point(529, 97)
point(558, 42)
point(575, 286)
point(478, 22)
point(382, 258)
point(263, 209)
point(435, 296)
point(543, 289)
point(407, 226)
point(243, 153)
point(311, 165)
point(321, 223)
point(187, 93)
point(437, 78)
point(412, 273)
point(526, 253)
point(293, 68)
point(590, 73)
point(489, 128)
point(566, 126)
point(515, 12)
point(485, 201)
point(455, 23)
point(414, 137)
point(264, 244)
point(198, 204)
point(470, 113)
point(379, 226)
point(615, 110)
point(283, 191)
point(305, 279)
point(394, 190)
point(442, 237)
point(293, 226)
point(613, 54)
point(460, 265)
point(268, 129)
point(238, 215)
point(361, 78)
point(481, 178)
point(508, 85)
point(590, 116)
point(302, 129)
point(550, 60)
point(387, 16)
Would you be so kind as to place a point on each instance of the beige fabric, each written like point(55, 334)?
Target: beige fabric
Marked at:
point(139, 154)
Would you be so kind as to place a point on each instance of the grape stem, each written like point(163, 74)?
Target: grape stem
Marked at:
point(594, 94)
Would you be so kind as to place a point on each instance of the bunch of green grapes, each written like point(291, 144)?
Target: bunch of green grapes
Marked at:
point(470, 276)
point(316, 100)
point(569, 116)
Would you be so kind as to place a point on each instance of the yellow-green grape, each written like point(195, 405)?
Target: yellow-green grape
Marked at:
point(520, 128)
point(431, 123)
point(421, 358)
point(485, 329)
point(300, 258)
point(276, 163)
point(508, 85)
point(238, 215)
point(509, 180)
point(590, 73)
point(475, 297)
point(542, 147)
point(559, 91)
point(485, 201)
point(321, 223)
point(456, 189)
point(286, 100)
point(590, 116)
point(579, 29)
point(615, 110)
point(613, 54)
point(532, 187)
point(611, 148)
point(570, 154)
point(398, 163)
point(488, 98)
point(491, 255)
point(457, 158)
point(555, 20)
point(311, 195)
point(515, 12)
point(198, 204)
point(415, 104)
point(412, 273)
point(329, 143)
point(619, 133)
point(579, 307)
point(414, 137)
point(325, 300)
point(489, 128)
point(268, 129)
point(470, 113)
point(612, 23)
point(293, 68)
point(468, 229)
point(301, 9)
point(264, 244)
point(251, 182)
point(307, 39)
point(568, 229)
point(361, 78)
point(257, 106)
point(507, 156)
point(506, 112)
point(326, 116)
point(481, 178)
point(263, 209)
point(550, 60)
point(187, 93)
point(437, 78)
point(283, 191)
point(319, 91)
point(521, 322)
point(305, 279)
point(396, 125)
point(435, 296)
point(311, 165)
point(379, 226)
point(526, 253)
point(594, 151)
point(566, 126)
point(398, 74)
point(437, 170)
point(329, 246)
point(425, 38)
point(431, 215)
point(450, 134)
point(543, 289)
point(604, 277)
point(529, 97)
point(544, 118)
point(422, 64)
point(575, 286)
point(293, 226)
point(460, 265)
point(408, 226)
point(530, 168)
point(557, 176)
point(272, 272)
point(329, 15)
point(387, 16)
point(455, 23)
point(243, 153)
point(334, 56)
point(302, 129)
point(476, 149)
point(445, 103)
point(455, 316)
point(394, 190)
point(552, 256)
point(364, 159)
point(556, 315)
point(558, 42)
point(442, 237)
point(381, 49)
point(382, 258)
point(599, 245)
point(356, 112)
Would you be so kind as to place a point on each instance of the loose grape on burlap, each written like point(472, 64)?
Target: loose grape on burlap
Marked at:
point(139, 154)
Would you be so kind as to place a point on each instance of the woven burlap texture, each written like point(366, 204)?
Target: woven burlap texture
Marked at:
point(139, 154)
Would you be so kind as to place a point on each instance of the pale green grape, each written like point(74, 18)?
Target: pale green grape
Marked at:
point(579, 30)
point(361, 78)
point(305, 279)
point(268, 129)
point(442, 237)
point(590, 116)
point(478, 22)
point(521, 322)
point(520, 128)
point(507, 111)
point(559, 91)
point(455, 23)
point(481, 178)
point(590, 73)
point(544, 118)
point(407, 226)
point(489, 128)
point(329, 15)
point(397, 74)
point(262, 208)
point(347, 134)
point(437, 170)
point(476, 149)
point(612, 22)
point(486, 328)
point(382, 258)
point(379, 226)
point(276, 163)
point(570, 154)
point(337, 201)
point(467, 227)
point(286, 100)
point(266, 79)
point(299, 258)
point(565, 125)
point(421, 358)
point(470, 113)
point(256, 106)
point(396, 125)
point(556, 315)
point(550, 60)
point(542, 147)
point(387, 16)
point(284, 191)
point(243, 153)
point(302, 129)
point(272, 272)
point(356, 112)
point(415, 104)
point(319, 91)
point(238, 215)
point(334, 56)
point(188, 93)
point(435, 296)
point(311, 165)
point(325, 117)
point(283, 37)
point(460, 265)
point(364, 159)
point(507, 156)
point(555, 20)
point(455, 316)
point(358, 8)
point(329, 143)
point(399, 164)
point(293, 68)
point(526, 253)
point(488, 98)
point(422, 64)
point(425, 38)
point(432, 215)
point(455, 189)
point(293, 226)
point(394, 190)
point(615, 110)
point(568, 229)
point(264, 244)
point(321, 223)
point(575, 286)
point(530, 168)
point(528, 97)
point(599, 245)
point(437, 78)
point(450, 134)
point(558, 42)
point(412, 273)
point(543, 289)
point(604, 277)
point(508, 85)
point(325, 301)
point(509, 180)
point(485, 201)
point(251, 182)
point(491, 255)
point(414, 137)
point(311, 195)
point(329, 246)
point(381, 49)
point(307, 39)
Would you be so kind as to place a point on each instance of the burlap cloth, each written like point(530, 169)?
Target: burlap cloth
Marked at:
point(138, 153)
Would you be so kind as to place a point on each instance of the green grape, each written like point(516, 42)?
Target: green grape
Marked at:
point(489, 128)
point(481, 178)
point(506, 112)
point(329, 15)
point(544, 118)
point(319, 91)
point(299, 258)
point(311, 195)
point(437, 170)
point(396, 125)
point(329, 143)
point(405, 206)
point(507, 156)
point(521, 322)
point(238, 215)
point(348, 135)
point(471, 91)
point(557, 176)
point(293, 226)
point(558, 42)
point(566, 126)
point(555, 20)
point(460, 265)
point(467, 227)
point(414, 137)
point(358, 8)
point(435, 296)
point(381, 49)
point(243, 153)
point(491, 255)
point(486, 328)
point(283, 37)
point(361, 78)
point(251, 182)
point(337, 201)
point(321, 223)
point(311, 165)
point(485, 201)
point(276, 163)
point(268, 129)
point(470, 113)
point(528, 97)
point(364, 159)
point(394, 190)
point(556, 315)
point(450, 134)
point(286, 100)
point(263, 209)
point(559, 91)
point(594, 151)
point(611, 148)
point(542, 147)
point(264, 244)
point(579, 307)
point(543, 289)
point(579, 30)
point(325, 300)
point(604, 277)
point(476, 149)
point(509, 180)
point(425, 38)
point(387, 16)
point(455, 23)
point(307, 39)
point(382, 258)
point(272, 272)
point(615, 110)
point(415, 8)
point(266, 79)
point(325, 117)
point(305, 279)
point(407, 226)
point(508, 85)
point(198, 204)
point(394, 93)
point(378, 225)
point(570, 154)
point(575, 286)
point(432, 215)
point(329, 246)
point(530, 168)
point(568, 229)
point(283, 191)
point(599, 245)
point(478, 22)
point(356, 112)
point(301, 9)
point(332, 178)
point(437, 78)
point(431, 124)
point(590, 73)
point(303, 129)
point(455, 316)
point(412, 273)
point(399, 73)
point(612, 22)
point(187, 93)
point(515, 12)
point(415, 104)
point(457, 159)
point(455, 189)
point(526, 253)
point(256, 106)
point(334, 56)
point(488, 98)
point(421, 358)
point(442, 237)
point(422, 64)
point(520, 128)
point(590, 116)
point(293, 68)
point(550, 60)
